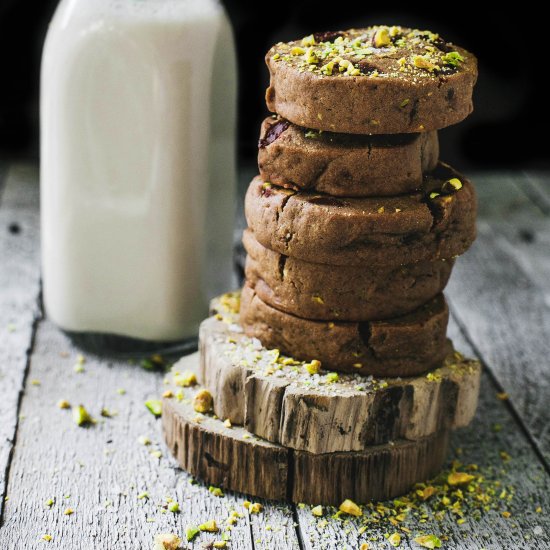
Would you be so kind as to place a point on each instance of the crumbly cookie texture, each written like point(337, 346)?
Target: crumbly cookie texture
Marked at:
point(436, 223)
point(413, 80)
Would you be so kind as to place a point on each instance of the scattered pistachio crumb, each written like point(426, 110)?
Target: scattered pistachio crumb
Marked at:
point(46, 538)
point(349, 507)
point(185, 379)
point(210, 526)
point(332, 377)
point(173, 507)
point(63, 404)
point(203, 401)
point(50, 502)
point(428, 541)
point(317, 511)
point(227, 423)
point(167, 541)
point(191, 531)
point(220, 544)
point(121, 391)
point(68, 512)
point(395, 539)
point(81, 416)
point(459, 478)
point(255, 508)
point(143, 496)
point(313, 367)
point(78, 368)
point(216, 491)
point(156, 454)
point(167, 394)
point(154, 406)
point(364, 546)
point(144, 440)
point(503, 396)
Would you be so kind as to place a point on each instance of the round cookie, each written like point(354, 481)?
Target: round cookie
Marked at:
point(379, 80)
point(404, 346)
point(344, 164)
point(346, 293)
point(278, 399)
point(436, 223)
point(236, 460)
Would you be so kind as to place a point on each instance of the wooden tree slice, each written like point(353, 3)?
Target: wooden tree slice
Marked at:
point(277, 399)
point(235, 459)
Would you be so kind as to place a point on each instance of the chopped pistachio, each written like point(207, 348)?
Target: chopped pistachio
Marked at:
point(220, 544)
point(308, 40)
point(81, 416)
point(395, 539)
point(68, 512)
point(156, 454)
point(247, 504)
point(191, 532)
point(317, 511)
point(503, 396)
point(227, 423)
point(154, 406)
point(185, 379)
point(78, 368)
point(404, 103)
point(143, 496)
point(167, 541)
point(426, 493)
point(357, 365)
point(173, 507)
point(63, 404)
point(331, 377)
point(317, 299)
point(255, 508)
point(47, 538)
point(35, 382)
point(296, 50)
point(506, 514)
point(50, 502)
point(454, 184)
point(144, 440)
point(434, 194)
point(459, 478)
point(313, 367)
point(422, 62)
point(106, 413)
point(216, 491)
point(428, 541)
point(276, 56)
point(349, 507)
point(452, 58)
point(203, 401)
point(121, 391)
point(210, 526)
point(311, 57)
point(382, 38)
point(168, 394)
point(364, 546)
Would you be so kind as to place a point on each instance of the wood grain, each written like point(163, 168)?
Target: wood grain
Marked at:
point(19, 308)
point(285, 405)
point(103, 467)
point(240, 461)
point(508, 321)
point(480, 444)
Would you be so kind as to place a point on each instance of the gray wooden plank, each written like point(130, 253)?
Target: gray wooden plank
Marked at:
point(105, 464)
point(501, 293)
point(479, 444)
point(19, 291)
point(538, 188)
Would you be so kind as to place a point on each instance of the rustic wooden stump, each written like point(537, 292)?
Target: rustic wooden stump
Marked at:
point(233, 458)
point(284, 404)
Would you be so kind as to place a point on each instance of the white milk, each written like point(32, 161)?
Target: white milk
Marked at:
point(137, 165)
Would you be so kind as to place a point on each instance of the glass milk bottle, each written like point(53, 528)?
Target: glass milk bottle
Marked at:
point(138, 101)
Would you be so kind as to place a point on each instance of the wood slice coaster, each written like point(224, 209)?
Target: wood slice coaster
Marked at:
point(276, 398)
point(236, 460)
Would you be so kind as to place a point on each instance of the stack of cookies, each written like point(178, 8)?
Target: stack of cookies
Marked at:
point(334, 358)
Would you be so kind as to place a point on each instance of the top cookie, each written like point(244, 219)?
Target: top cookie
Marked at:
point(379, 80)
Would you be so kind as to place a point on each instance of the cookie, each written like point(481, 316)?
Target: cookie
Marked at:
point(379, 80)
point(404, 346)
point(436, 223)
point(278, 399)
point(343, 164)
point(346, 293)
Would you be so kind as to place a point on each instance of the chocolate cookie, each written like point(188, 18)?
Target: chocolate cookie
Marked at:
point(346, 293)
point(344, 164)
point(403, 346)
point(436, 223)
point(379, 80)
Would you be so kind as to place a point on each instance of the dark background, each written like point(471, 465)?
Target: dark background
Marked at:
point(507, 129)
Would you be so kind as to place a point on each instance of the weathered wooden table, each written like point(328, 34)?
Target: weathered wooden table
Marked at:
point(500, 301)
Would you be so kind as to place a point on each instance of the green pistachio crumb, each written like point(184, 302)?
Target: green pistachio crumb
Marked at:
point(81, 416)
point(154, 406)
